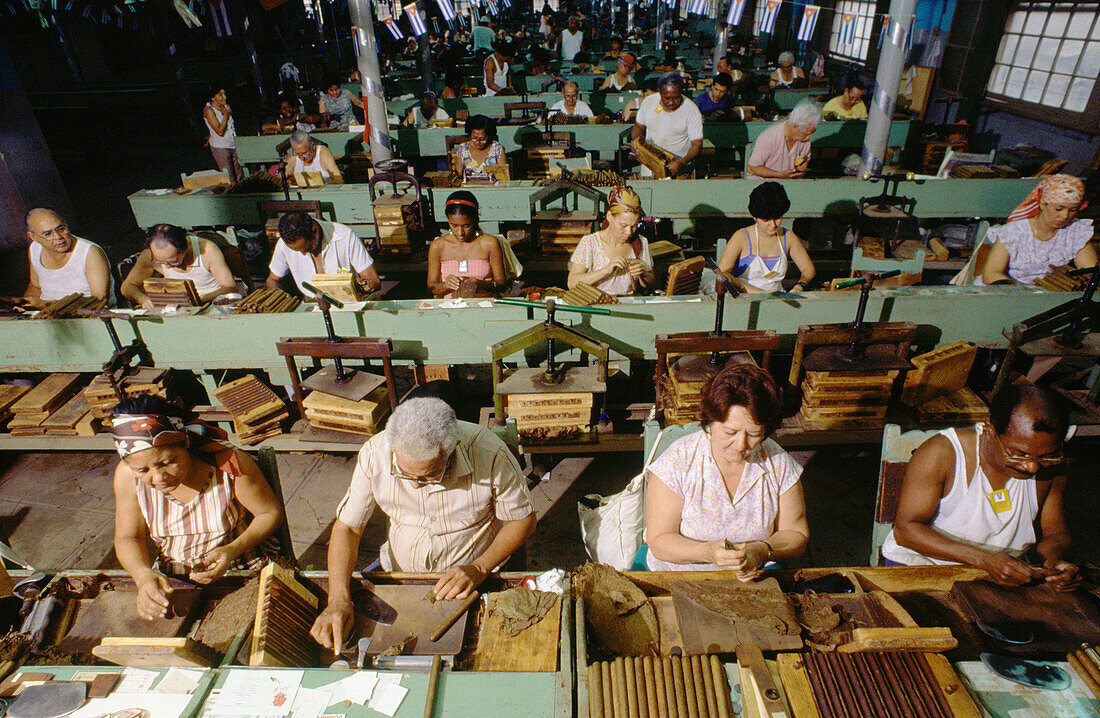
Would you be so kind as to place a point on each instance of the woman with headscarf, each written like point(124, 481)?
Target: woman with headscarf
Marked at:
point(615, 259)
point(204, 505)
point(1041, 232)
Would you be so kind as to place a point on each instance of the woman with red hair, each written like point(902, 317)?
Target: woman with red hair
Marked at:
point(1041, 232)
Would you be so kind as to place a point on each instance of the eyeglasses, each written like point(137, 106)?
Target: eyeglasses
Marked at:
point(1018, 459)
point(397, 473)
point(177, 263)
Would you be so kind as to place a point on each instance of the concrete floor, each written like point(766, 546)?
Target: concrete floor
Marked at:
point(57, 508)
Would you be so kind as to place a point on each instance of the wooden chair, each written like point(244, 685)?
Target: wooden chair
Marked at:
point(897, 448)
point(684, 277)
point(978, 255)
point(269, 467)
point(453, 141)
point(525, 111)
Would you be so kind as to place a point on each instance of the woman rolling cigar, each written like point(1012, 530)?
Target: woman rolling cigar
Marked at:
point(191, 495)
point(465, 252)
point(616, 259)
point(756, 256)
point(727, 497)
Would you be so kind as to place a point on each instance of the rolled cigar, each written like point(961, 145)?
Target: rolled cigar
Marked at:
point(1086, 675)
point(1090, 651)
point(708, 684)
point(608, 696)
point(648, 673)
point(689, 687)
point(670, 689)
point(458, 613)
point(679, 688)
point(595, 691)
point(1089, 665)
point(631, 688)
point(659, 680)
point(700, 686)
point(639, 679)
point(619, 676)
point(721, 687)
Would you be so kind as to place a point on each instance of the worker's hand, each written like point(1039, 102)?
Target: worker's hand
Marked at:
point(451, 282)
point(153, 594)
point(635, 267)
point(459, 582)
point(743, 558)
point(1068, 577)
point(214, 565)
point(794, 174)
point(147, 303)
point(333, 625)
point(618, 264)
point(674, 166)
point(1006, 570)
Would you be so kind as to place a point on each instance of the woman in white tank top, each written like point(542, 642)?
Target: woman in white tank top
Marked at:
point(222, 134)
point(174, 254)
point(757, 255)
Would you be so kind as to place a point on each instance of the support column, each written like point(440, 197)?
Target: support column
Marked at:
point(629, 17)
point(424, 54)
point(891, 62)
point(662, 11)
point(370, 78)
point(721, 40)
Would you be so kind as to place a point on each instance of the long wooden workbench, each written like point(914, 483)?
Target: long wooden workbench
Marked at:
point(685, 202)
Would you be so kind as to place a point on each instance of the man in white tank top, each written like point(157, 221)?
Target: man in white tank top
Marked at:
point(308, 156)
point(62, 263)
point(985, 496)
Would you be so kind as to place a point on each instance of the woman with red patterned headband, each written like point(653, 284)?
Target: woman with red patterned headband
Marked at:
point(616, 259)
point(465, 252)
point(1042, 231)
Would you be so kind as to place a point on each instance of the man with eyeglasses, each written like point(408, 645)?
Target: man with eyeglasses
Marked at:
point(455, 497)
point(62, 263)
point(987, 496)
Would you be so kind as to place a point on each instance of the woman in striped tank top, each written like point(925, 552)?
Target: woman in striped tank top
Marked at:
point(191, 496)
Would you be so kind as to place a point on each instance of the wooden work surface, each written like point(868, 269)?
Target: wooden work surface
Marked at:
point(497, 651)
point(113, 613)
point(416, 616)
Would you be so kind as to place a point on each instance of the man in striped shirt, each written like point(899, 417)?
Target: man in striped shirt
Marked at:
point(456, 499)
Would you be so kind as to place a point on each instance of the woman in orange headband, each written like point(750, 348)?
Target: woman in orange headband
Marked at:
point(616, 259)
point(465, 252)
point(1041, 232)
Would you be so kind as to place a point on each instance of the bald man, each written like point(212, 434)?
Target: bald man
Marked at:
point(62, 263)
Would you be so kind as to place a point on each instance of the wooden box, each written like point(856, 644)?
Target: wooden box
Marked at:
point(938, 372)
point(171, 292)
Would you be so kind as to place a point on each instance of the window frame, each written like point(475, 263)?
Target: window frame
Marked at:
point(872, 21)
point(1088, 120)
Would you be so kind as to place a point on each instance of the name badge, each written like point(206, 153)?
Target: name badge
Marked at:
point(463, 266)
point(999, 500)
point(772, 274)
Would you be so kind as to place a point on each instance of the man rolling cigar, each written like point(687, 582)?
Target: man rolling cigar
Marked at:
point(456, 500)
point(309, 246)
point(987, 495)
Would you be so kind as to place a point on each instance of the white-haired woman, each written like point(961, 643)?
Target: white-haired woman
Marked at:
point(783, 150)
point(787, 74)
point(456, 500)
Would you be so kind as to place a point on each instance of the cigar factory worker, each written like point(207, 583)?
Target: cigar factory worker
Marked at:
point(455, 497)
point(466, 252)
point(427, 112)
point(615, 259)
point(62, 263)
point(724, 65)
point(783, 150)
point(309, 246)
point(848, 105)
point(1042, 231)
point(718, 97)
point(481, 149)
point(672, 124)
point(569, 104)
point(204, 505)
point(756, 256)
point(727, 497)
point(985, 496)
point(787, 74)
point(308, 156)
point(174, 254)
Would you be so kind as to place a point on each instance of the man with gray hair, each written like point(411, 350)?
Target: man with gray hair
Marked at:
point(783, 150)
point(306, 155)
point(456, 500)
point(670, 123)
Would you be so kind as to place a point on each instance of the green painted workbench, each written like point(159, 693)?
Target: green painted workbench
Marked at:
point(457, 336)
point(605, 139)
point(682, 201)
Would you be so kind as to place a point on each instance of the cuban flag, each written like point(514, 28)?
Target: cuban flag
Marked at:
point(767, 20)
point(446, 9)
point(671, 4)
point(395, 31)
point(415, 20)
point(491, 5)
point(697, 7)
point(809, 22)
point(848, 29)
point(506, 3)
point(737, 9)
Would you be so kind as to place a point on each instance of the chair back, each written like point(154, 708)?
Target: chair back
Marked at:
point(897, 448)
point(269, 467)
point(973, 268)
point(685, 277)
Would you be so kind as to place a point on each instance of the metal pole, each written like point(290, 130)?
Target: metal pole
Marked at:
point(891, 63)
point(721, 40)
point(424, 54)
point(370, 77)
point(661, 12)
point(66, 47)
point(253, 58)
point(629, 17)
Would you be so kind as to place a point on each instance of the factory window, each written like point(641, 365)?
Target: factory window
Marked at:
point(1048, 61)
point(851, 43)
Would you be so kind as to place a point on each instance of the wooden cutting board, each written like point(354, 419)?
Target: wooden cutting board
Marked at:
point(415, 617)
point(496, 650)
point(114, 613)
point(1060, 621)
point(705, 630)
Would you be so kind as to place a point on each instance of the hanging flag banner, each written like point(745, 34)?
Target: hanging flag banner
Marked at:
point(889, 26)
point(491, 5)
point(697, 7)
point(671, 4)
point(506, 3)
point(446, 9)
point(737, 9)
point(415, 20)
point(395, 31)
point(767, 20)
point(848, 29)
point(809, 22)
